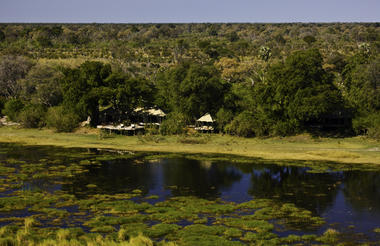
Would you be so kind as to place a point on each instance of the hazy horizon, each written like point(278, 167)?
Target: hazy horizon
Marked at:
point(196, 11)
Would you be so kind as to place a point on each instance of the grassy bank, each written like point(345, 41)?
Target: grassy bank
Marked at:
point(302, 147)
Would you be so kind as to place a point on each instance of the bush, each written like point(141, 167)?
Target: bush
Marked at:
point(223, 117)
point(369, 125)
point(175, 123)
point(12, 109)
point(285, 128)
point(32, 116)
point(242, 125)
point(61, 120)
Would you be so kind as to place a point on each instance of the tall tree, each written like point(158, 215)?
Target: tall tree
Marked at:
point(297, 91)
point(79, 86)
point(41, 85)
point(191, 89)
point(12, 69)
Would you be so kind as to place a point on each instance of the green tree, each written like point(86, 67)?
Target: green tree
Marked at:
point(361, 80)
point(191, 89)
point(62, 119)
point(93, 84)
point(309, 39)
point(232, 36)
point(32, 116)
point(2, 36)
point(12, 69)
point(174, 123)
point(124, 93)
point(179, 50)
point(297, 91)
point(42, 38)
point(242, 125)
point(79, 88)
point(12, 108)
point(265, 53)
point(41, 85)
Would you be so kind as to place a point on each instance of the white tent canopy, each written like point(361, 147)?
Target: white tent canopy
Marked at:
point(206, 118)
point(151, 111)
point(156, 112)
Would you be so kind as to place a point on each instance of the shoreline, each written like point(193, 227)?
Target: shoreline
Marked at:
point(355, 150)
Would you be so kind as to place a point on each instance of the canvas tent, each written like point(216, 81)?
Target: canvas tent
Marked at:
point(150, 116)
point(206, 118)
point(205, 123)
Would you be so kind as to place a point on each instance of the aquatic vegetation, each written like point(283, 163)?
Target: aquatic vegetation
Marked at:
point(162, 229)
point(206, 240)
point(204, 235)
point(133, 229)
point(247, 224)
point(151, 197)
point(140, 241)
point(103, 229)
point(60, 199)
point(233, 233)
point(260, 237)
point(330, 236)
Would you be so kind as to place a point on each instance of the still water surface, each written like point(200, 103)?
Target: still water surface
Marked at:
point(348, 200)
point(345, 199)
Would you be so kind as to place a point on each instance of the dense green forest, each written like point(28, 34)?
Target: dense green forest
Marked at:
point(254, 79)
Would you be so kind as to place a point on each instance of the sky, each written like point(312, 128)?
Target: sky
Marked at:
point(179, 11)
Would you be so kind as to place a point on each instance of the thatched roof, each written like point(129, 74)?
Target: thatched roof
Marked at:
point(206, 118)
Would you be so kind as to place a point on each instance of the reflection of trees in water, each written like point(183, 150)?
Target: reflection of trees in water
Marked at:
point(113, 177)
point(313, 191)
point(199, 178)
point(362, 190)
point(288, 184)
point(37, 153)
point(182, 176)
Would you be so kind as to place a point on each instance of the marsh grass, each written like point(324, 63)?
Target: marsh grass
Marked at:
point(194, 139)
point(357, 150)
point(130, 223)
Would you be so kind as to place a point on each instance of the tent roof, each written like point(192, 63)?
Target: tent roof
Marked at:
point(156, 112)
point(206, 118)
point(151, 111)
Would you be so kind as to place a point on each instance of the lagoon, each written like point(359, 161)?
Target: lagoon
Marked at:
point(100, 192)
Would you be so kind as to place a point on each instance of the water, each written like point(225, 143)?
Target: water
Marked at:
point(348, 200)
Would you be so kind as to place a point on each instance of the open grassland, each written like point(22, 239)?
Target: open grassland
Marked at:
point(302, 147)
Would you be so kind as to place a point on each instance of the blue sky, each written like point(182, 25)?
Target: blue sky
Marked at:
point(128, 11)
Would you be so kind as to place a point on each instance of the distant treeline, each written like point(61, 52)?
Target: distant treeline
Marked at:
point(254, 79)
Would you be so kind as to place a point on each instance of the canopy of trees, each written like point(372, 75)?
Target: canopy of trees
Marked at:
point(255, 79)
point(297, 92)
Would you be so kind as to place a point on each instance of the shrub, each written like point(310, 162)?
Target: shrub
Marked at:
point(151, 129)
point(285, 128)
point(223, 117)
point(61, 120)
point(369, 124)
point(12, 108)
point(242, 125)
point(32, 116)
point(175, 123)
